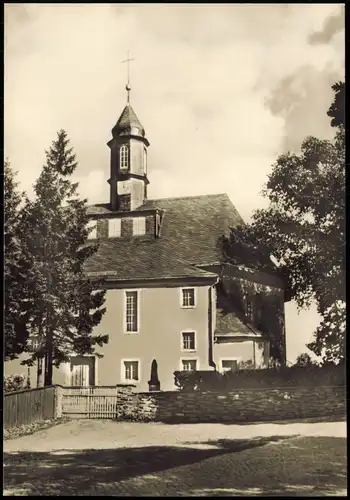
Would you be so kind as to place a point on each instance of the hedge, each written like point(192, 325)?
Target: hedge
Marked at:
point(294, 376)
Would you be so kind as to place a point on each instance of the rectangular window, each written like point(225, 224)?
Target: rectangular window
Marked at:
point(124, 158)
point(131, 311)
point(229, 365)
point(189, 365)
point(249, 309)
point(131, 371)
point(139, 226)
point(258, 309)
point(92, 227)
point(33, 343)
point(188, 341)
point(188, 297)
point(114, 228)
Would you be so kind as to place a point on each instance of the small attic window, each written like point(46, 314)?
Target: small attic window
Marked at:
point(124, 158)
point(139, 226)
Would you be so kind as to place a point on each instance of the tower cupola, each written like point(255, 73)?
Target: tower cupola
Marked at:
point(128, 124)
point(128, 180)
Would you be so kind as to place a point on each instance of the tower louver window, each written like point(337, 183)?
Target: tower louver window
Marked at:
point(124, 158)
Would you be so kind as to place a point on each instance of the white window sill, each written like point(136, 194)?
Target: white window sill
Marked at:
point(189, 350)
point(188, 307)
point(131, 333)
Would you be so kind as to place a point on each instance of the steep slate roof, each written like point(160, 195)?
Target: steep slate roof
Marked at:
point(190, 230)
point(229, 325)
point(127, 120)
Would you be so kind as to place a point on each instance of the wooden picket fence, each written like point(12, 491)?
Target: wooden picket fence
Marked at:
point(89, 402)
point(28, 406)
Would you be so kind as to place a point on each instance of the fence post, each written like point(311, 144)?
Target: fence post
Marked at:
point(58, 401)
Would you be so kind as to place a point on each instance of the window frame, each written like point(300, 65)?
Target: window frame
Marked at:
point(126, 331)
point(123, 370)
point(124, 158)
point(89, 224)
point(230, 358)
point(137, 219)
point(182, 333)
point(189, 359)
point(120, 227)
point(33, 342)
point(182, 289)
point(248, 307)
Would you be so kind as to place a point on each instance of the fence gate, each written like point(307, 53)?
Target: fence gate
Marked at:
point(89, 402)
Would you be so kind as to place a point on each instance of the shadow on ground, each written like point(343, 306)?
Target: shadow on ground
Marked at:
point(203, 420)
point(261, 466)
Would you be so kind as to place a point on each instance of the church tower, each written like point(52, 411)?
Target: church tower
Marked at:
point(128, 180)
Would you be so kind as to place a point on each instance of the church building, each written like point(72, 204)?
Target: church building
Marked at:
point(170, 301)
point(162, 266)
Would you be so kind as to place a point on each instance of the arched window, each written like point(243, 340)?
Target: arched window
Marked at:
point(124, 158)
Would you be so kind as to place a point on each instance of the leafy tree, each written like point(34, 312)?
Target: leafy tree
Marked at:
point(67, 303)
point(303, 359)
point(17, 305)
point(337, 109)
point(304, 229)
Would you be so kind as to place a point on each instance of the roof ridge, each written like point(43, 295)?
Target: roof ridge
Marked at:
point(187, 197)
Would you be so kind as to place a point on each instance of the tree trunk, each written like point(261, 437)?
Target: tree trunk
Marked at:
point(48, 360)
point(39, 374)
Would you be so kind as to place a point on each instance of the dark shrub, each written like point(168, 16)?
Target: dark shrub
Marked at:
point(15, 383)
point(294, 376)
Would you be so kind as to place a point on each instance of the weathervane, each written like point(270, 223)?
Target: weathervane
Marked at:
point(128, 86)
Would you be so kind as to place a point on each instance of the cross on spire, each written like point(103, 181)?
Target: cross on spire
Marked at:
point(128, 86)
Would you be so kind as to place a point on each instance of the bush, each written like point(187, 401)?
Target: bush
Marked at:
point(294, 376)
point(15, 383)
point(304, 359)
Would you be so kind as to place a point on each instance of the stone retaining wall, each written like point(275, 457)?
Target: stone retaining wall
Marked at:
point(242, 405)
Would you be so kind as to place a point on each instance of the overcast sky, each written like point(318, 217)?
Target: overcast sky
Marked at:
point(221, 90)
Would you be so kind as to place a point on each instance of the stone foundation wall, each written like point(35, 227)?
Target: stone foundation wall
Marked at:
point(248, 405)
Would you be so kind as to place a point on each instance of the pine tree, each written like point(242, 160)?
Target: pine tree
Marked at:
point(17, 305)
point(67, 304)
